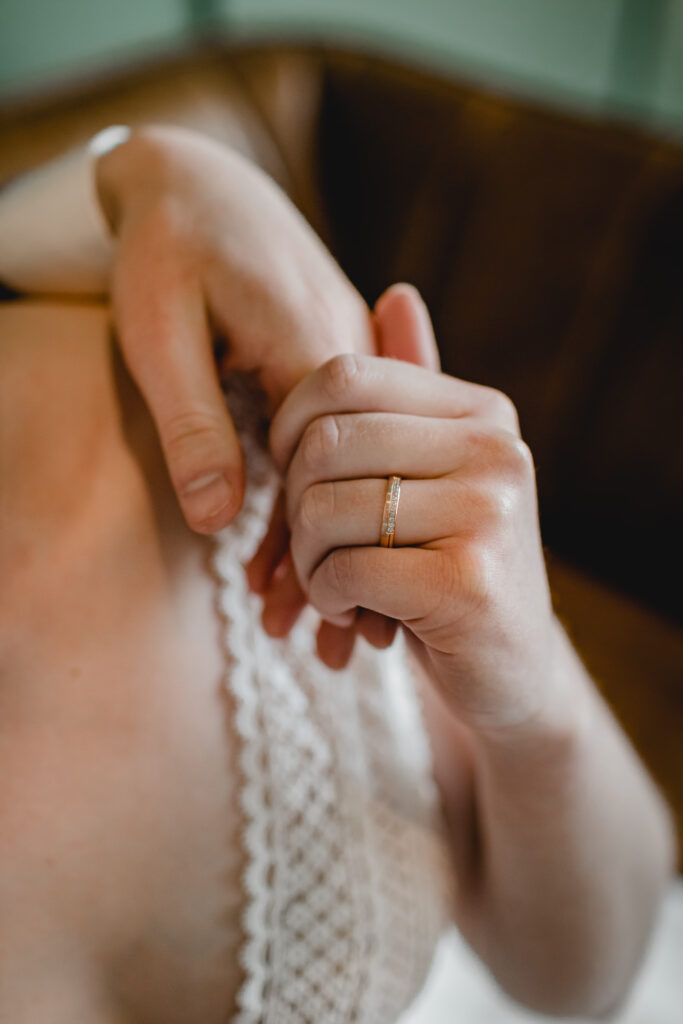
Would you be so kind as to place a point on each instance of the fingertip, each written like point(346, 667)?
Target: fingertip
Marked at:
point(335, 645)
point(211, 501)
point(378, 630)
point(283, 600)
point(404, 327)
point(259, 570)
point(278, 622)
point(401, 291)
point(256, 579)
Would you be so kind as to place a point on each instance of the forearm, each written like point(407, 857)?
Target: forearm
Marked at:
point(574, 848)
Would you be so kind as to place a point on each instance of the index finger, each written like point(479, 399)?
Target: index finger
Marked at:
point(352, 383)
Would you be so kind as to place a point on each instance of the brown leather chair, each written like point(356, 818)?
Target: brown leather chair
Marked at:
point(550, 251)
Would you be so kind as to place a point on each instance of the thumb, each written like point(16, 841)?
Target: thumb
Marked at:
point(166, 342)
point(404, 328)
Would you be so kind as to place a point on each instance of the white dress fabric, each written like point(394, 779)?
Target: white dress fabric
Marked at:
point(348, 881)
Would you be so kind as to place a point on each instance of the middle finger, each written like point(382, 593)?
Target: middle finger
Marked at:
point(347, 446)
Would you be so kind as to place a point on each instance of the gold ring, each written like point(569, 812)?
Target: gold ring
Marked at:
point(388, 529)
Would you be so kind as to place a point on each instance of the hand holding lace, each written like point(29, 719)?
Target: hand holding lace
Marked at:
point(559, 877)
point(208, 245)
point(466, 575)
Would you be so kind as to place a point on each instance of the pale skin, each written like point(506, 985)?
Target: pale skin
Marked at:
point(120, 857)
point(209, 245)
point(561, 844)
point(569, 845)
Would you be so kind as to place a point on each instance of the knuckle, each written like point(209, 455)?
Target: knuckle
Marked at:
point(162, 221)
point(490, 506)
point(474, 577)
point(520, 459)
point(339, 375)
point(486, 446)
point(502, 452)
point(192, 431)
point(316, 508)
point(502, 409)
point(339, 566)
point(320, 441)
point(332, 580)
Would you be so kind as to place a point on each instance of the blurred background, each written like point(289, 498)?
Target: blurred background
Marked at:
point(622, 57)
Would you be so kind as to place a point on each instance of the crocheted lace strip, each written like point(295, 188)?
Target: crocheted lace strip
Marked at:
point(346, 879)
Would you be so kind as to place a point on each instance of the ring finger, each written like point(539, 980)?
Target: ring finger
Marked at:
point(348, 513)
point(356, 445)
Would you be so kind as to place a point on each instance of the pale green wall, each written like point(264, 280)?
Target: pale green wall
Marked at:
point(669, 79)
point(565, 44)
point(623, 56)
point(45, 40)
point(605, 55)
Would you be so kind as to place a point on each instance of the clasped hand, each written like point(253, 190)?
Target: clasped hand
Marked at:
point(466, 575)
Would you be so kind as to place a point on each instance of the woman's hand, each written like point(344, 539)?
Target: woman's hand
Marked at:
point(562, 845)
point(209, 246)
point(466, 574)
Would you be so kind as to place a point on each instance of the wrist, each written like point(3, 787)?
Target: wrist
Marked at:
point(565, 715)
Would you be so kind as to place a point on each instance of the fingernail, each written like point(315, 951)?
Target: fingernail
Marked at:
point(206, 497)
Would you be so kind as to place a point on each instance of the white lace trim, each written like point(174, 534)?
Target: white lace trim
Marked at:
point(347, 881)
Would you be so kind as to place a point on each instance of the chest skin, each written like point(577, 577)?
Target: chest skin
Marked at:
point(120, 856)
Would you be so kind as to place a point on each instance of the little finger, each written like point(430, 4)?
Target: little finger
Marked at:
point(402, 583)
point(335, 644)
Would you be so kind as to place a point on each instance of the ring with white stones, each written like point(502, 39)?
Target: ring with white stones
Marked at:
point(388, 529)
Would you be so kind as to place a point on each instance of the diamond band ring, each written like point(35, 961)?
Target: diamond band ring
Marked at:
point(388, 529)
